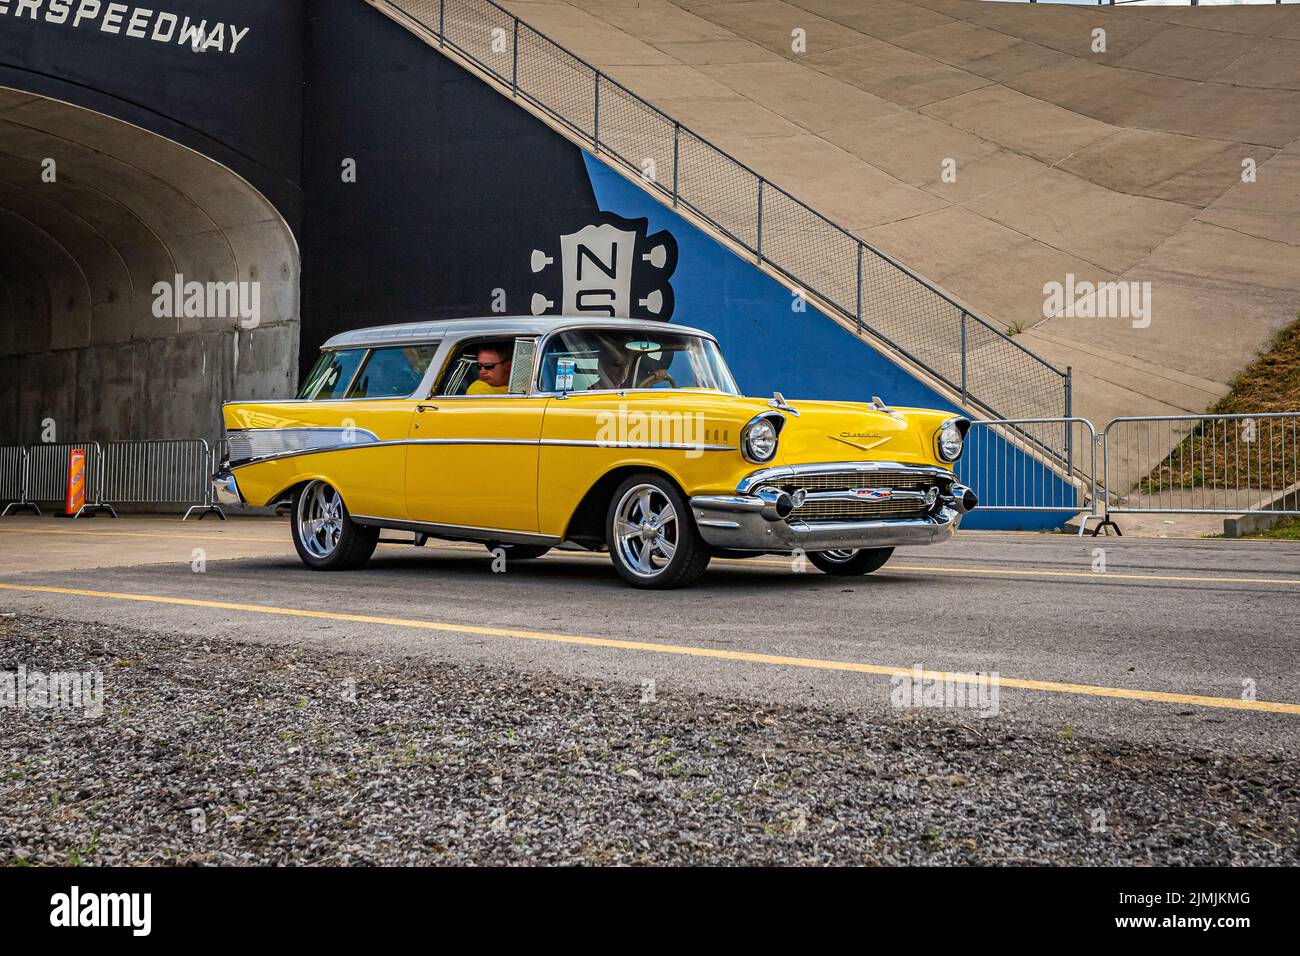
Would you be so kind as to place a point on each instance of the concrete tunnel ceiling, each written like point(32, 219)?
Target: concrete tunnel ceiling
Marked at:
point(79, 260)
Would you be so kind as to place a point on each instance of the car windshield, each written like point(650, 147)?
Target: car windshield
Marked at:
point(582, 360)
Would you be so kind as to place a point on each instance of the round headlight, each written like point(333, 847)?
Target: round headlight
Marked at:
point(950, 442)
point(759, 441)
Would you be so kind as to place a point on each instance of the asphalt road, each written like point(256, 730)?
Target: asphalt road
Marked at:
point(1162, 645)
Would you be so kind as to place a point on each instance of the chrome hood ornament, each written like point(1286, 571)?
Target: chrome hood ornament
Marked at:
point(778, 401)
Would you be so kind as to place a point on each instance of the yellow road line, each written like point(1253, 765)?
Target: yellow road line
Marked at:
point(1099, 577)
point(176, 536)
point(905, 569)
point(684, 650)
point(171, 536)
point(1093, 575)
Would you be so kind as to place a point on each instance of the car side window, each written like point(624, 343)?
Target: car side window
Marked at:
point(331, 374)
point(463, 377)
point(392, 372)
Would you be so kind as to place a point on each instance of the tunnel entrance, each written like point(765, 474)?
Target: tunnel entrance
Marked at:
point(141, 283)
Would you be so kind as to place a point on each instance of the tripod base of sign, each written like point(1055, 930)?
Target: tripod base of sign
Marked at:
point(204, 511)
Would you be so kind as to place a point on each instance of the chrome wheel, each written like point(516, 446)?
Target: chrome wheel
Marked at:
point(840, 555)
point(850, 561)
point(320, 519)
point(646, 530)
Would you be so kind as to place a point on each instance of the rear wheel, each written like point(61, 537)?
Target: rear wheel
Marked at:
point(324, 534)
point(519, 552)
point(849, 562)
point(651, 535)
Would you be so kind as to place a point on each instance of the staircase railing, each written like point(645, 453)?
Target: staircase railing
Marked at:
point(878, 295)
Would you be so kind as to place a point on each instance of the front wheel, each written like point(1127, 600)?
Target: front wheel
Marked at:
point(651, 535)
point(324, 534)
point(856, 561)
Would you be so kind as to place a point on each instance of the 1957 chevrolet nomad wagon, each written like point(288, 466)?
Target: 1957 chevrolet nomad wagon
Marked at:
point(531, 433)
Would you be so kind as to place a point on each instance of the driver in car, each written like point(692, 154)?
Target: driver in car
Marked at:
point(493, 370)
point(612, 367)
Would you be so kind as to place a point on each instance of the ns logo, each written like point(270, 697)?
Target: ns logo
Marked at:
point(609, 268)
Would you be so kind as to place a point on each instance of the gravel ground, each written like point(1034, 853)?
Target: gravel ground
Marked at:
point(219, 752)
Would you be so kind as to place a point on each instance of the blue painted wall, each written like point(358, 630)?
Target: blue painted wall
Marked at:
point(807, 355)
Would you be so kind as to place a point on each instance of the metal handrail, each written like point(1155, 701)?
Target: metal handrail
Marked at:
point(1166, 3)
point(1019, 365)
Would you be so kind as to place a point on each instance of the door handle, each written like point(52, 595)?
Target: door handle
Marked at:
point(426, 408)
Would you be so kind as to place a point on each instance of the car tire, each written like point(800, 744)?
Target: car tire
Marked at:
point(651, 534)
point(324, 534)
point(519, 552)
point(858, 561)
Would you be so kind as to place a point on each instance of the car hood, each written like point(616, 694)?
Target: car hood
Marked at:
point(855, 431)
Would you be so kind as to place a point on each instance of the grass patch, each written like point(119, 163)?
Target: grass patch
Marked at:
point(1246, 453)
point(1288, 529)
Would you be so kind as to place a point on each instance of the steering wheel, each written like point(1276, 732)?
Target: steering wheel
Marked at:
point(658, 375)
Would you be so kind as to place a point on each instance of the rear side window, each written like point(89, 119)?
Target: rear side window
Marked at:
point(331, 374)
point(392, 373)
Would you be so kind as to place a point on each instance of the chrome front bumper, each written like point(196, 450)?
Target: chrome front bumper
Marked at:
point(225, 490)
point(742, 522)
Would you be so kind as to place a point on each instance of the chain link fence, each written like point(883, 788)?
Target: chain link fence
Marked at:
point(882, 298)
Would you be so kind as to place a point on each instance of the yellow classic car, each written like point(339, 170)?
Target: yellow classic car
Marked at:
point(531, 433)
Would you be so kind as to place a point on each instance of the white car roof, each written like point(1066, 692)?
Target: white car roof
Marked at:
point(503, 325)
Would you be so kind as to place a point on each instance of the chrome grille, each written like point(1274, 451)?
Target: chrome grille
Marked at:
point(859, 509)
point(847, 480)
point(864, 510)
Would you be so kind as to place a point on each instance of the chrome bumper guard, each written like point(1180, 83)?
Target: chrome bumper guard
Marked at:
point(743, 522)
point(225, 490)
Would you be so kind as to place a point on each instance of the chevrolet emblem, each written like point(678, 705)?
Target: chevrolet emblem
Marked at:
point(871, 439)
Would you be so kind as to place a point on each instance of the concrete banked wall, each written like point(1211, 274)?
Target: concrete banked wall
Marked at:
point(1125, 164)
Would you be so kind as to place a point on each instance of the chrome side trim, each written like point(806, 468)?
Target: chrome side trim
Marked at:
point(669, 446)
point(457, 531)
point(249, 444)
point(552, 442)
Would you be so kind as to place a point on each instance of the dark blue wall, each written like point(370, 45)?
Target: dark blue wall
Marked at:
point(455, 184)
point(243, 109)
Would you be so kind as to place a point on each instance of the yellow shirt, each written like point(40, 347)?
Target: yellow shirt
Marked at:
point(480, 387)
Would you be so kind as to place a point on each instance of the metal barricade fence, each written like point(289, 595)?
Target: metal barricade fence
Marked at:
point(13, 479)
point(160, 472)
point(1012, 466)
point(1203, 464)
point(47, 474)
